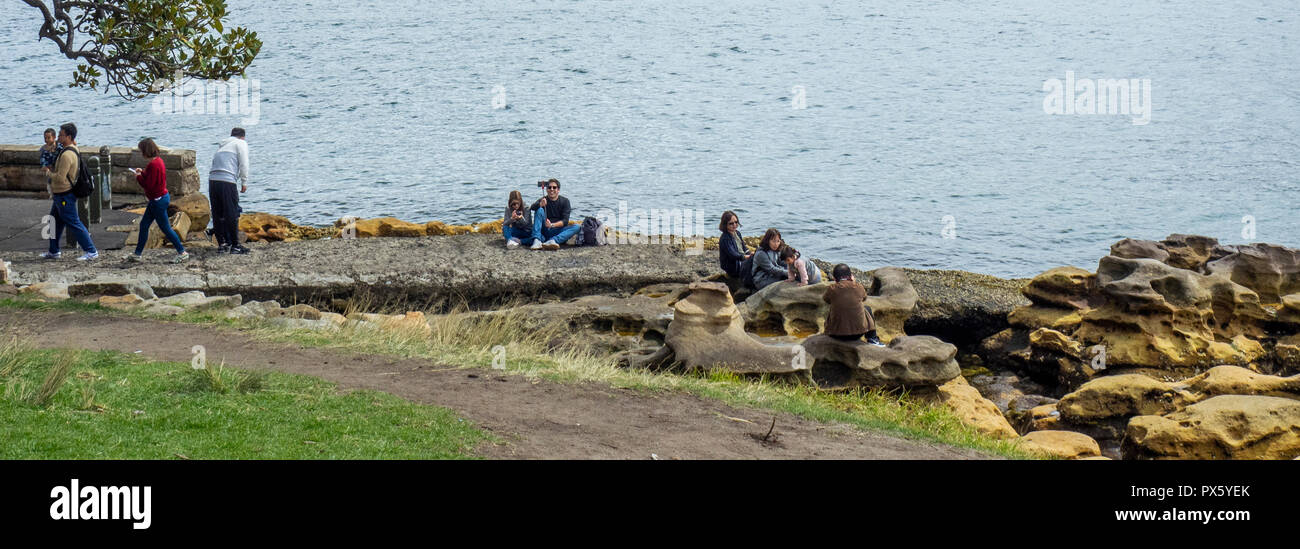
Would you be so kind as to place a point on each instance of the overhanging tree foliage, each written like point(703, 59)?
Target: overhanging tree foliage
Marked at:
point(135, 44)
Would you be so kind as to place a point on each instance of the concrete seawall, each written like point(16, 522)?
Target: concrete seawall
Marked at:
point(21, 174)
point(439, 272)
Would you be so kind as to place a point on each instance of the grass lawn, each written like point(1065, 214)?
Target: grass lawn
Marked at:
point(117, 406)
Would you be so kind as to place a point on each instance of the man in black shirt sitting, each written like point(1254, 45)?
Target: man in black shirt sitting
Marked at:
point(552, 226)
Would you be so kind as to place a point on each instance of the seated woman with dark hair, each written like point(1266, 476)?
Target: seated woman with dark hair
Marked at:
point(517, 224)
point(731, 246)
point(768, 268)
point(848, 319)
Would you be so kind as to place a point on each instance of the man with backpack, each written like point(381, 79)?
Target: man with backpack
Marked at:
point(69, 180)
point(551, 219)
point(229, 165)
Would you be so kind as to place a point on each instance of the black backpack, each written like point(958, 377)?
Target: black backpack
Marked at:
point(747, 271)
point(592, 233)
point(84, 185)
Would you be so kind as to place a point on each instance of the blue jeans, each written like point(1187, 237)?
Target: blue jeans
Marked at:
point(558, 235)
point(156, 212)
point(511, 232)
point(64, 211)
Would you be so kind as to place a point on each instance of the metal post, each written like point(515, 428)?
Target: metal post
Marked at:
point(92, 202)
point(106, 177)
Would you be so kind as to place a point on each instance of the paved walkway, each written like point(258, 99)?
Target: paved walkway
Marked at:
point(21, 224)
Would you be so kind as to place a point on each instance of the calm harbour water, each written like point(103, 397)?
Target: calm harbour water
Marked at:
point(922, 119)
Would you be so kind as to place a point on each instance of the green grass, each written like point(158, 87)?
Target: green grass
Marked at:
point(467, 340)
point(115, 406)
point(29, 303)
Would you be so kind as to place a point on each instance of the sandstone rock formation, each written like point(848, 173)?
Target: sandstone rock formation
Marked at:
point(261, 226)
point(1270, 271)
point(974, 410)
point(253, 309)
point(198, 301)
point(908, 361)
point(1150, 306)
point(111, 286)
point(1222, 427)
point(393, 227)
point(195, 206)
point(319, 324)
point(1104, 407)
point(300, 311)
point(413, 322)
point(1136, 394)
point(707, 332)
point(1122, 396)
point(180, 222)
point(123, 302)
point(1061, 444)
point(47, 290)
point(603, 324)
point(1043, 418)
point(788, 309)
point(170, 305)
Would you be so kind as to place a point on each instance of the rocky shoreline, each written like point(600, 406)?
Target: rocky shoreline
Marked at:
point(1181, 348)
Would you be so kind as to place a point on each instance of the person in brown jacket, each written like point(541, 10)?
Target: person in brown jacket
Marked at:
point(848, 319)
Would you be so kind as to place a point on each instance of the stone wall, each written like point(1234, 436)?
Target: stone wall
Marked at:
point(20, 169)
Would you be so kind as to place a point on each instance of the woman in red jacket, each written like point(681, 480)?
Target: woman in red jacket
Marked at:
point(153, 179)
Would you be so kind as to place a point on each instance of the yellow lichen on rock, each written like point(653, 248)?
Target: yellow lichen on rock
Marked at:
point(974, 410)
point(124, 302)
point(1033, 317)
point(1223, 427)
point(1060, 444)
point(1064, 287)
point(1122, 396)
point(1044, 418)
point(1234, 380)
point(260, 226)
point(1052, 340)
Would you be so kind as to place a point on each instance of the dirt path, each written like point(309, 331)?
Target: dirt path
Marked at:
point(533, 418)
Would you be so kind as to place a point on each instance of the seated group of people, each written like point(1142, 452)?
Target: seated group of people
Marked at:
point(544, 225)
point(774, 261)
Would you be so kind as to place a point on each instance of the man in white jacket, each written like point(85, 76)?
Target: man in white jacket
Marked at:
point(229, 166)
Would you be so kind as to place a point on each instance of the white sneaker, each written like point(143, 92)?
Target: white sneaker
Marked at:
point(537, 245)
point(90, 256)
point(48, 255)
point(512, 243)
point(134, 258)
point(550, 245)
